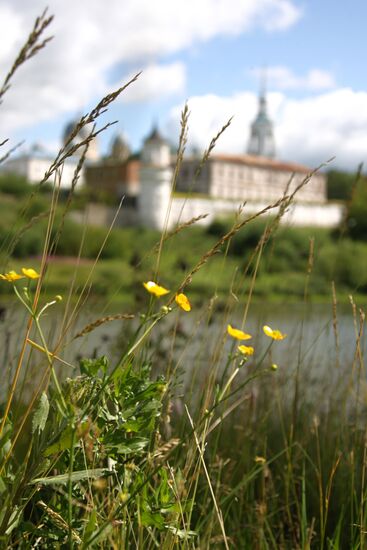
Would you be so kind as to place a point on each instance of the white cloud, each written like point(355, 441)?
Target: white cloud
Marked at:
point(309, 130)
point(277, 15)
point(11, 30)
point(283, 78)
point(157, 81)
point(209, 113)
point(93, 37)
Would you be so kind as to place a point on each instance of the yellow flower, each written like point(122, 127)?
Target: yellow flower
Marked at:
point(274, 334)
point(155, 289)
point(30, 273)
point(237, 333)
point(11, 276)
point(183, 302)
point(260, 460)
point(246, 350)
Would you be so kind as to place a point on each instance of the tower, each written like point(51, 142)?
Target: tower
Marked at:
point(155, 181)
point(261, 141)
point(120, 150)
point(156, 150)
point(93, 152)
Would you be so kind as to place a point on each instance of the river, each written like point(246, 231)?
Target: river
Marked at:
point(311, 346)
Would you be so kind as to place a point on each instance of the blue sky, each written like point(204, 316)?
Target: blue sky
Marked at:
point(208, 52)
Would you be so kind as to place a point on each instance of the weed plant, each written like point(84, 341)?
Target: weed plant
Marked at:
point(193, 438)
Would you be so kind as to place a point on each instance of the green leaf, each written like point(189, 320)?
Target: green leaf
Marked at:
point(5, 442)
point(98, 537)
point(75, 476)
point(2, 486)
point(133, 445)
point(41, 414)
point(91, 526)
point(13, 520)
point(92, 366)
point(64, 442)
point(151, 519)
point(182, 534)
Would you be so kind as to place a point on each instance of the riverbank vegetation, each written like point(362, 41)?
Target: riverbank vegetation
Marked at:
point(193, 438)
point(339, 254)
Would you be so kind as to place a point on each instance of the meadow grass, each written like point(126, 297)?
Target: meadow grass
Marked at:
point(186, 439)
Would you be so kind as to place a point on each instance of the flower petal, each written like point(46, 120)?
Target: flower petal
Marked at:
point(30, 273)
point(155, 289)
point(268, 331)
point(274, 334)
point(246, 350)
point(183, 302)
point(237, 333)
point(11, 276)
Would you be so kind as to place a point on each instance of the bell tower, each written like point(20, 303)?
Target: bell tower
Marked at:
point(262, 141)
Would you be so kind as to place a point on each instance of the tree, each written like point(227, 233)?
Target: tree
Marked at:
point(14, 184)
point(357, 212)
point(340, 185)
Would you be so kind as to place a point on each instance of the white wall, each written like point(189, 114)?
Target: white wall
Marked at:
point(34, 169)
point(328, 215)
point(245, 182)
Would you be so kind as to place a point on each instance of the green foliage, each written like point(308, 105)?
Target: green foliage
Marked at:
point(219, 227)
point(40, 414)
point(345, 264)
point(69, 241)
point(244, 242)
point(31, 242)
point(13, 184)
point(127, 259)
point(357, 214)
point(40, 204)
point(111, 427)
point(340, 185)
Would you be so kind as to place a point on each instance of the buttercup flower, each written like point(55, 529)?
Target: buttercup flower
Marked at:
point(11, 276)
point(155, 289)
point(183, 302)
point(246, 350)
point(30, 273)
point(274, 334)
point(237, 333)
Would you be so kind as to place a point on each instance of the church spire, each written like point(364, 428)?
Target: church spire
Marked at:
point(261, 141)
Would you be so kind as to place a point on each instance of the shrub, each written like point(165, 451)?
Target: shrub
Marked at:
point(357, 214)
point(13, 184)
point(31, 242)
point(219, 227)
point(345, 263)
point(248, 238)
point(340, 185)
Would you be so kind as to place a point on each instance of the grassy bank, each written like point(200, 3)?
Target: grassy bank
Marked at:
point(129, 256)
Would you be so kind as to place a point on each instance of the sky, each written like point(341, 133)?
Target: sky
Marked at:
point(210, 53)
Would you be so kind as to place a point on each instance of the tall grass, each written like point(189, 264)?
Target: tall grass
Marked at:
point(183, 441)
